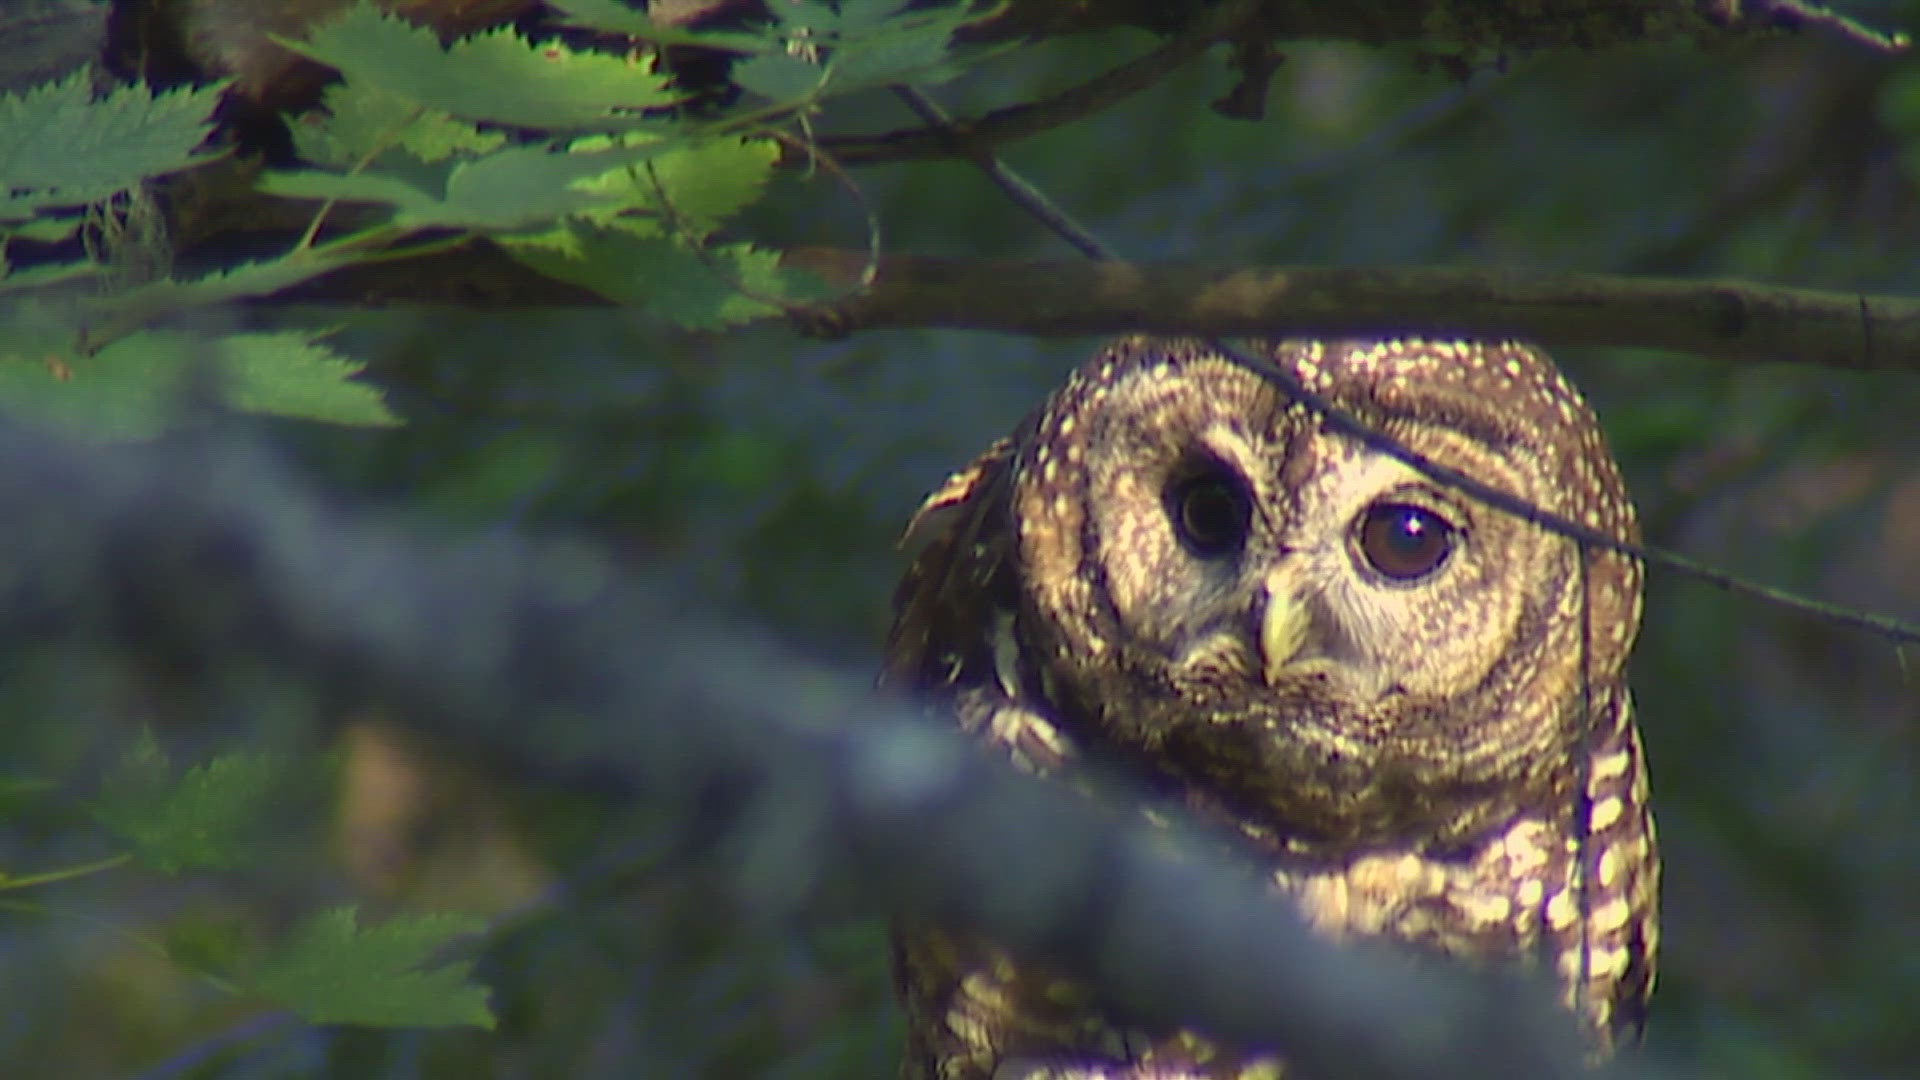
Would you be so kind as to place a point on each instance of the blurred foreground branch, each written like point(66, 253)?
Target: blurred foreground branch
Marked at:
point(804, 783)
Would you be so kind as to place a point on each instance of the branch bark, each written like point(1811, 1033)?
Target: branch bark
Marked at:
point(1730, 320)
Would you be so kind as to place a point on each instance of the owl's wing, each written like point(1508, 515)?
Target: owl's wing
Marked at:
point(953, 642)
point(943, 610)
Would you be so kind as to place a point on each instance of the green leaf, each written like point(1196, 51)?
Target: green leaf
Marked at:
point(133, 387)
point(333, 971)
point(61, 147)
point(780, 77)
point(615, 17)
point(860, 14)
point(362, 122)
point(347, 188)
point(496, 75)
point(913, 46)
point(145, 302)
point(810, 16)
point(290, 374)
point(908, 55)
point(207, 817)
point(521, 186)
point(699, 290)
point(33, 277)
point(708, 182)
point(518, 187)
point(44, 229)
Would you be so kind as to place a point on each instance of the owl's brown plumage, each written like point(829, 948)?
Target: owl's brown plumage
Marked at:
point(1375, 680)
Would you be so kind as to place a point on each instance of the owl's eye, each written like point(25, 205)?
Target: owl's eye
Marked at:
point(1211, 511)
point(1404, 542)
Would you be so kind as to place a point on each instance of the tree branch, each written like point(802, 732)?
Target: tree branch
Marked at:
point(1727, 320)
point(551, 655)
point(1730, 320)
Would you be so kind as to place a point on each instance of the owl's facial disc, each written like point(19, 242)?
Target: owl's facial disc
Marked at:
point(1398, 541)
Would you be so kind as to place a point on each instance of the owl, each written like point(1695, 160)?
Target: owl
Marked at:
point(1405, 708)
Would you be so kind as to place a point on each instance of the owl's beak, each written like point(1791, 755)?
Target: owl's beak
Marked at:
point(1283, 624)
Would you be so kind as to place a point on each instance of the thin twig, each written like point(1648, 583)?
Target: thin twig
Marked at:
point(1028, 119)
point(871, 268)
point(1023, 194)
point(1801, 15)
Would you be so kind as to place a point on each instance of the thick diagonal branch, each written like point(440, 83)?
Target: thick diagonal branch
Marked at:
point(552, 655)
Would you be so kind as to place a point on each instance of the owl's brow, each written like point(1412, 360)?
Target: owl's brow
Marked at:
point(1036, 203)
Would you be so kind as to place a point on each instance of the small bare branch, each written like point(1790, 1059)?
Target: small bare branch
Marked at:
point(1031, 118)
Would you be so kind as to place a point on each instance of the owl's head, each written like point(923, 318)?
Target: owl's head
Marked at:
point(1331, 644)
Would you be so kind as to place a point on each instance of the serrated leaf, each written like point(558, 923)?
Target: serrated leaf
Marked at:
point(901, 56)
point(813, 16)
point(779, 76)
point(35, 277)
point(45, 229)
point(207, 817)
point(60, 147)
point(514, 188)
point(495, 75)
point(290, 374)
point(17, 207)
point(341, 187)
point(157, 298)
point(130, 390)
point(517, 187)
point(708, 182)
point(360, 122)
point(615, 17)
point(699, 290)
point(860, 14)
point(133, 388)
point(333, 971)
point(346, 187)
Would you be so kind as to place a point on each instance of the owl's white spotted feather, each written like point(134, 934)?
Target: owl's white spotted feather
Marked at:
point(1383, 686)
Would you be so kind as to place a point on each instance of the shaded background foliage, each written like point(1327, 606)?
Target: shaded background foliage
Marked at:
point(773, 472)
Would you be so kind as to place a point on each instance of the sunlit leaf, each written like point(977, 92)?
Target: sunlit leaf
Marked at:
point(779, 76)
point(134, 387)
point(60, 146)
point(698, 289)
point(708, 182)
point(361, 122)
point(496, 75)
point(615, 17)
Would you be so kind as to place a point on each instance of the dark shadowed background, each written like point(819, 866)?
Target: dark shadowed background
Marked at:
point(774, 472)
